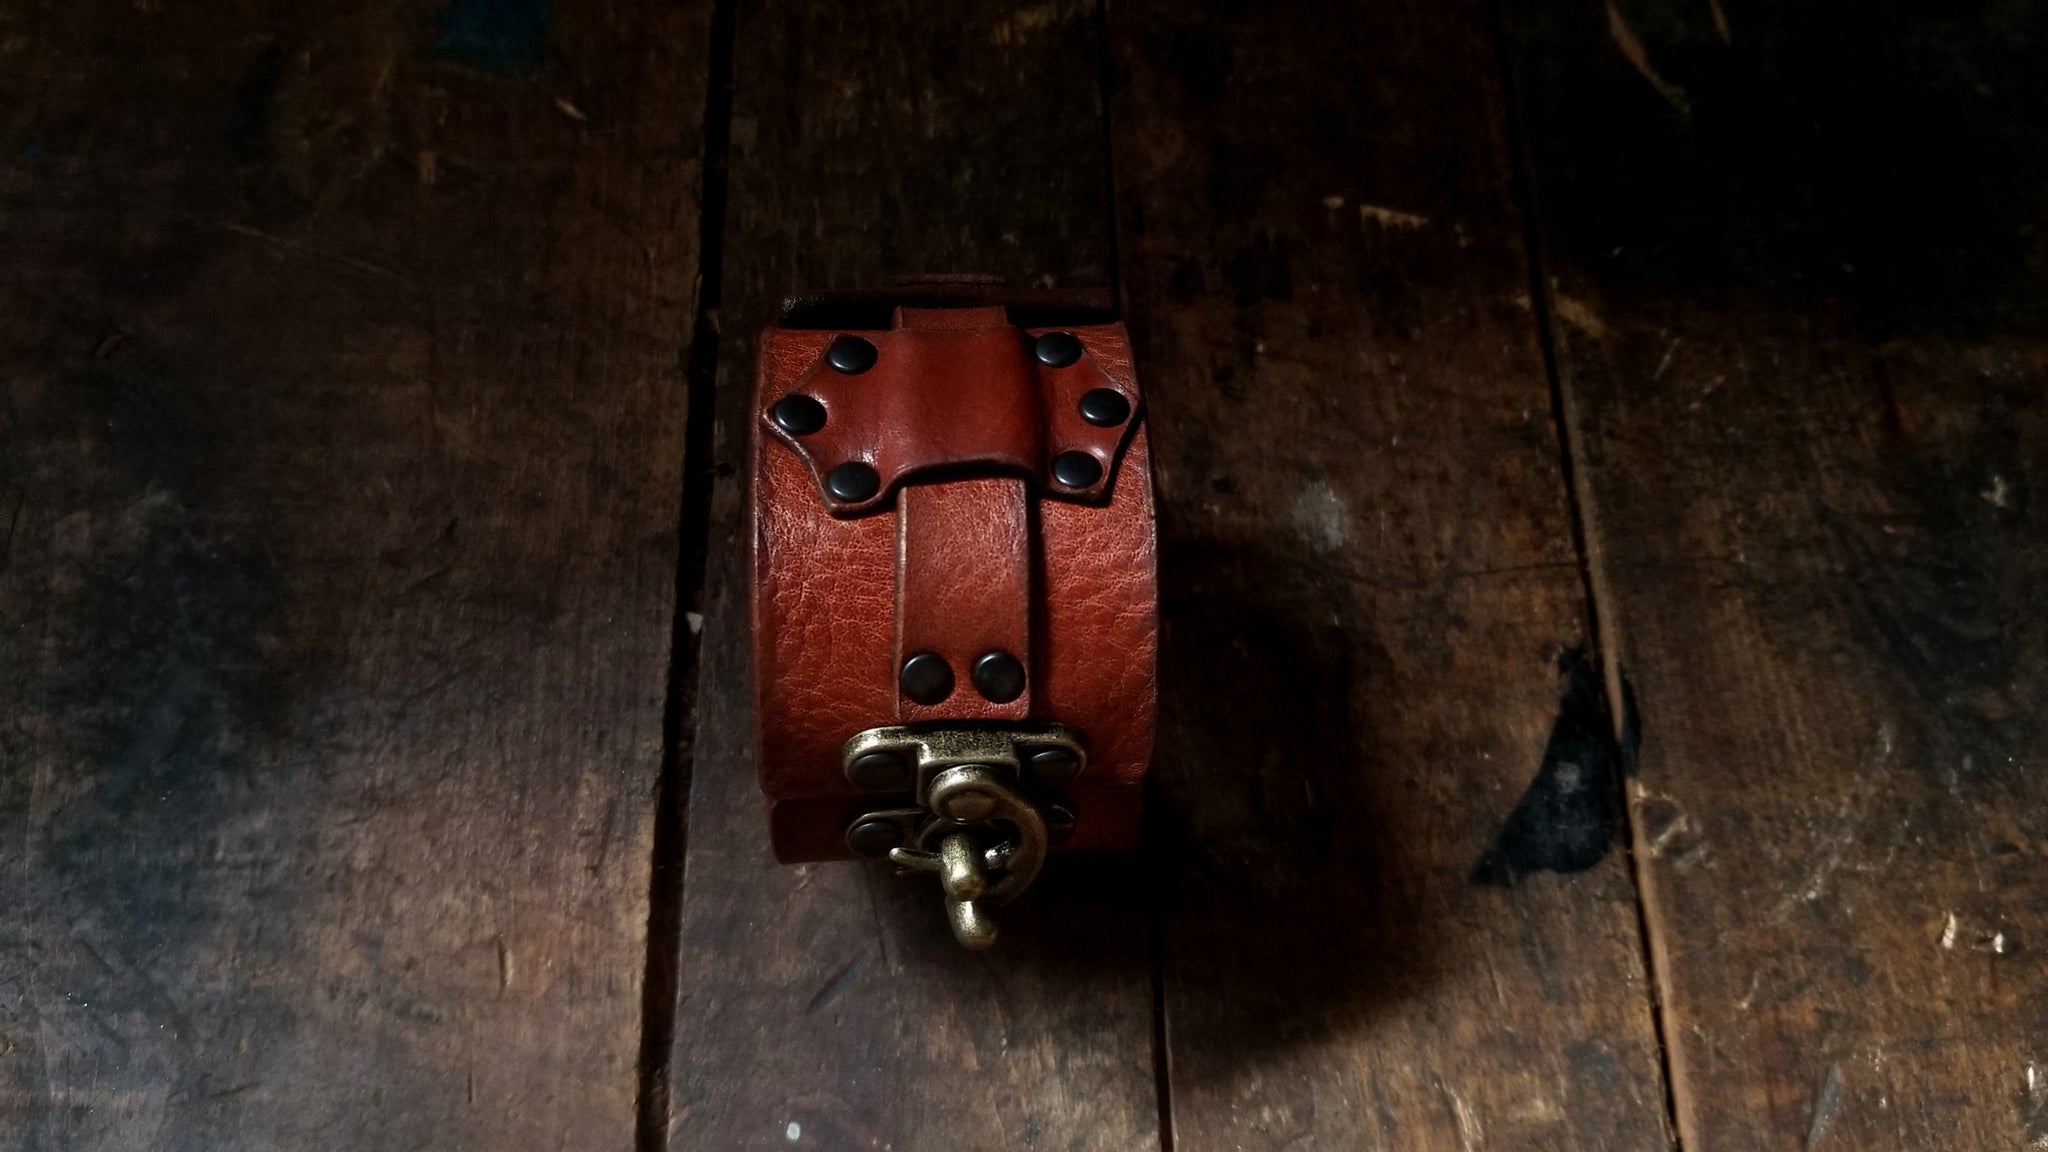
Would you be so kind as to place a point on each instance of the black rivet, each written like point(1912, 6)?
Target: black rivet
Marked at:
point(801, 415)
point(1059, 824)
point(851, 355)
point(1076, 469)
point(854, 482)
point(926, 678)
point(999, 677)
point(879, 772)
point(874, 837)
point(1053, 767)
point(1057, 349)
point(1102, 407)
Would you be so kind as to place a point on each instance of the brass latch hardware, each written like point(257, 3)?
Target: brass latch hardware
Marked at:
point(977, 824)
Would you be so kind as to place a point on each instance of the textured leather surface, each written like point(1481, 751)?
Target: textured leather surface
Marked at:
point(964, 558)
point(963, 588)
point(951, 389)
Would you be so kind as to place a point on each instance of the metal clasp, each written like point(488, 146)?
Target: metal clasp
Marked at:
point(976, 824)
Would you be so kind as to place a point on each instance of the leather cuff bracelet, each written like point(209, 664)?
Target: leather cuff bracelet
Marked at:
point(955, 608)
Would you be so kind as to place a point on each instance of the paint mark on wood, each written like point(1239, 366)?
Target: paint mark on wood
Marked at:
point(502, 36)
point(1825, 1106)
point(1322, 518)
point(1639, 58)
point(2034, 1107)
point(1571, 811)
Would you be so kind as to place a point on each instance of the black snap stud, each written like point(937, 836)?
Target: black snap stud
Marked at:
point(1057, 349)
point(801, 415)
point(926, 678)
point(999, 677)
point(874, 837)
point(1076, 469)
point(1102, 407)
point(879, 772)
point(1053, 767)
point(851, 355)
point(852, 483)
point(1059, 824)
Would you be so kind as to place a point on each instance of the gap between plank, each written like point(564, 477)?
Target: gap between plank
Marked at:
point(1155, 928)
point(663, 975)
point(1563, 413)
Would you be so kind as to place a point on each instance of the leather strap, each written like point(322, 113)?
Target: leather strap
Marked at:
point(949, 488)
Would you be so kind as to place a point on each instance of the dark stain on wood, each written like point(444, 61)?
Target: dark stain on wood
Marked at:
point(1567, 819)
point(1802, 363)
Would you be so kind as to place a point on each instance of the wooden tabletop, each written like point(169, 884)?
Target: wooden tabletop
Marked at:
point(1602, 456)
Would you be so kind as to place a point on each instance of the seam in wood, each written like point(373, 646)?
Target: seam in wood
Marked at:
point(662, 979)
point(1522, 184)
point(1155, 929)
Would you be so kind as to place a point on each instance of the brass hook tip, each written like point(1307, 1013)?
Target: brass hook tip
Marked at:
point(960, 868)
point(972, 926)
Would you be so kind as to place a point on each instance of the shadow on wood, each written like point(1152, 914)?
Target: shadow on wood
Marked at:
point(1264, 820)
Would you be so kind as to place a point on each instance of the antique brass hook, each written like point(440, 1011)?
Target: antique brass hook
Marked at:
point(975, 826)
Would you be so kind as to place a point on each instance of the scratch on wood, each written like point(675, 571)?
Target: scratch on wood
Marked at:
point(1669, 352)
point(293, 246)
point(13, 526)
point(1026, 21)
point(1580, 315)
point(1756, 981)
point(1824, 1107)
point(1470, 1134)
point(1389, 218)
point(1632, 48)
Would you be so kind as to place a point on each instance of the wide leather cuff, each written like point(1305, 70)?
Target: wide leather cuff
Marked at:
point(953, 533)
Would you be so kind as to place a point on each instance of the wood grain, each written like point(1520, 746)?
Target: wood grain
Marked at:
point(1797, 259)
point(1394, 915)
point(338, 478)
point(827, 1006)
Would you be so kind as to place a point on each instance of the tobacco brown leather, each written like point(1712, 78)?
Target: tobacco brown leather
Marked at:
point(963, 588)
point(967, 548)
point(916, 409)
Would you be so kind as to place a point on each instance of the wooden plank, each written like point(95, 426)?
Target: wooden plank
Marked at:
point(1797, 261)
point(339, 469)
point(1393, 916)
point(827, 1006)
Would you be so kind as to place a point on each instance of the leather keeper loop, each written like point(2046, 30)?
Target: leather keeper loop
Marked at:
point(993, 567)
point(959, 391)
